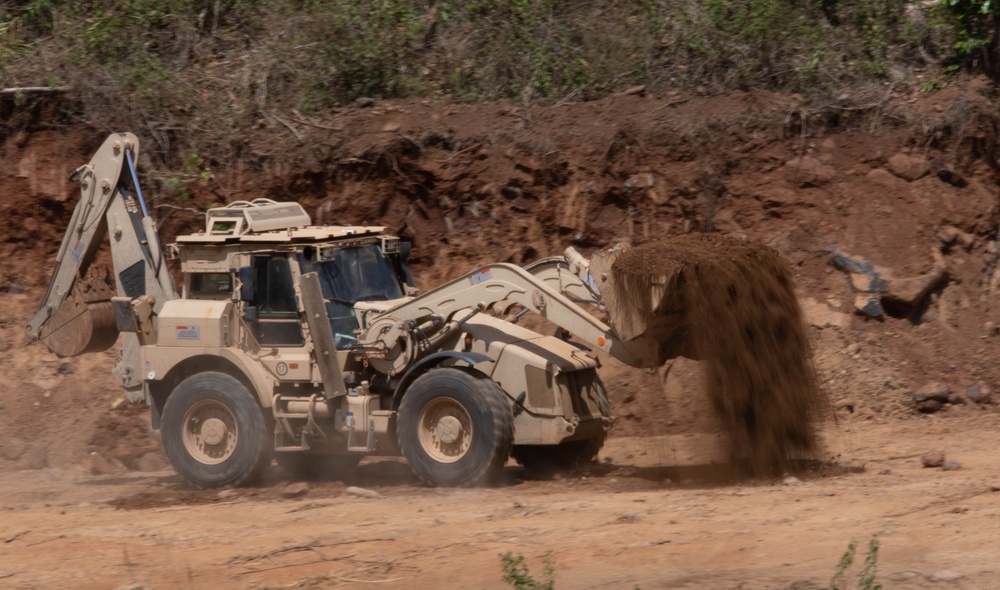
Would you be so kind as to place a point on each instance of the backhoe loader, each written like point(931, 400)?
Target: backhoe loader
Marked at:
point(309, 345)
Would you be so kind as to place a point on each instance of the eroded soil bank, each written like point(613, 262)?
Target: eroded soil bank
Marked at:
point(909, 190)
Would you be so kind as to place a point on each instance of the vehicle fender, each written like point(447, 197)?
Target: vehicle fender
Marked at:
point(171, 365)
point(429, 362)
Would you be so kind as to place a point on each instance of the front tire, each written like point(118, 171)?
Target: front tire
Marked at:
point(455, 428)
point(214, 432)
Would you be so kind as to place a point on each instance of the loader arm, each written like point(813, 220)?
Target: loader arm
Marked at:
point(78, 312)
point(401, 335)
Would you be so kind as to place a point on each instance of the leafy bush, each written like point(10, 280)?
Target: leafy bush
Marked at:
point(975, 28)
point(198, 75)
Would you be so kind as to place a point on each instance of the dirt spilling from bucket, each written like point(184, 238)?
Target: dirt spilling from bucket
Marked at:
point(741, 317)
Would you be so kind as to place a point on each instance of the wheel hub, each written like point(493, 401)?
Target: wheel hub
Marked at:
point(445, 430)
point(213, 431)
point(210, 432)
point(449, 429)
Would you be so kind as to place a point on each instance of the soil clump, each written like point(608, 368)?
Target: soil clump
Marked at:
point(741, 317)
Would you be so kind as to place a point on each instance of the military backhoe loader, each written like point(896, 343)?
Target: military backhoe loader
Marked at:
point(310, 345)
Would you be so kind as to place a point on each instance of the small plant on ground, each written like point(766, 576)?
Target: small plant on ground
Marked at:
point(866, 577)
point(515, 573)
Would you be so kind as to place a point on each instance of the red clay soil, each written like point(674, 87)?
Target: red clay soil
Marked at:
point(473, 184)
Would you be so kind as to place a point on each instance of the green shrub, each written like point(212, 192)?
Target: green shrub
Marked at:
point(515, 573)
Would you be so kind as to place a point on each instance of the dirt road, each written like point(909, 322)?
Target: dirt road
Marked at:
point(654, 514)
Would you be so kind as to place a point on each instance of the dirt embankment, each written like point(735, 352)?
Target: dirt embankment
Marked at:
point(908, 187)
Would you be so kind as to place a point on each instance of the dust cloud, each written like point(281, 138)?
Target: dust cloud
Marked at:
point(741, 316)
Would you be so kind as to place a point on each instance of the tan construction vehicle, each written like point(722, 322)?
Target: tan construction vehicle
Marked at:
point(310, 344)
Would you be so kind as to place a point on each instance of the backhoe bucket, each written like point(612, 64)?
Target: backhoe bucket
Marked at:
point(85, 322)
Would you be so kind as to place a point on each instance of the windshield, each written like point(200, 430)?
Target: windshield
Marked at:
point(358, 274)
point(349, 276)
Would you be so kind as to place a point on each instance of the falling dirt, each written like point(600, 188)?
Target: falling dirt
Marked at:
point(741, 316)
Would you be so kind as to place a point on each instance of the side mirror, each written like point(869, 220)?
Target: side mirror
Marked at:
point(250, 313)
point(246, 283)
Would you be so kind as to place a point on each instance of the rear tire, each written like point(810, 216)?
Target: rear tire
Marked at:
point(455, 428)
point(316, 466)
point(214, 432)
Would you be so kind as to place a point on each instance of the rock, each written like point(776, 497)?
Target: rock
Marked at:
point(391, 127)
point(227, 493)
point(912, 291)
point(929, 407)
point(933, 459)
point(979, 393)
point(65, 369)
point(363, 102)
point(947, 576)
point(873, 283)
point(822, 315)
point(932, 391)
point(34, 457)
point(791, 480)
point(853, 349)
point(947, 174)
point(990, 329)
point(362, 492)
point(808, 171)
point(908, 168)
point(882, 177)
point(152, 461)
point(950, 465)
point(135, 586)
point(869, 305)
point(846, 404)
point(867, 280)
point(949, 235)
point(957, 399)
point(639, 181)
point(295, 490)
point(640, 89)
point(860, 266)
point(101, 465)
point(12, 448)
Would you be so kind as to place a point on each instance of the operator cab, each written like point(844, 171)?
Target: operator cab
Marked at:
point(254, 253)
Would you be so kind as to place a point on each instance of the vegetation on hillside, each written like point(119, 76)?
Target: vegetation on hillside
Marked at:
point(175, 67)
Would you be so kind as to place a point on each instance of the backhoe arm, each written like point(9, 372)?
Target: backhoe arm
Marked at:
point(76, 314)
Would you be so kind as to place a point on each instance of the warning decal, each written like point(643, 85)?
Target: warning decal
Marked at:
point(189, 332)
point(483, 275)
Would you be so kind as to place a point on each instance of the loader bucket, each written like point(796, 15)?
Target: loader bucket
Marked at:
point(732, 304)
point(643, 306)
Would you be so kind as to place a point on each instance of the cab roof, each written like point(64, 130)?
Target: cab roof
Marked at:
point(267, 221)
